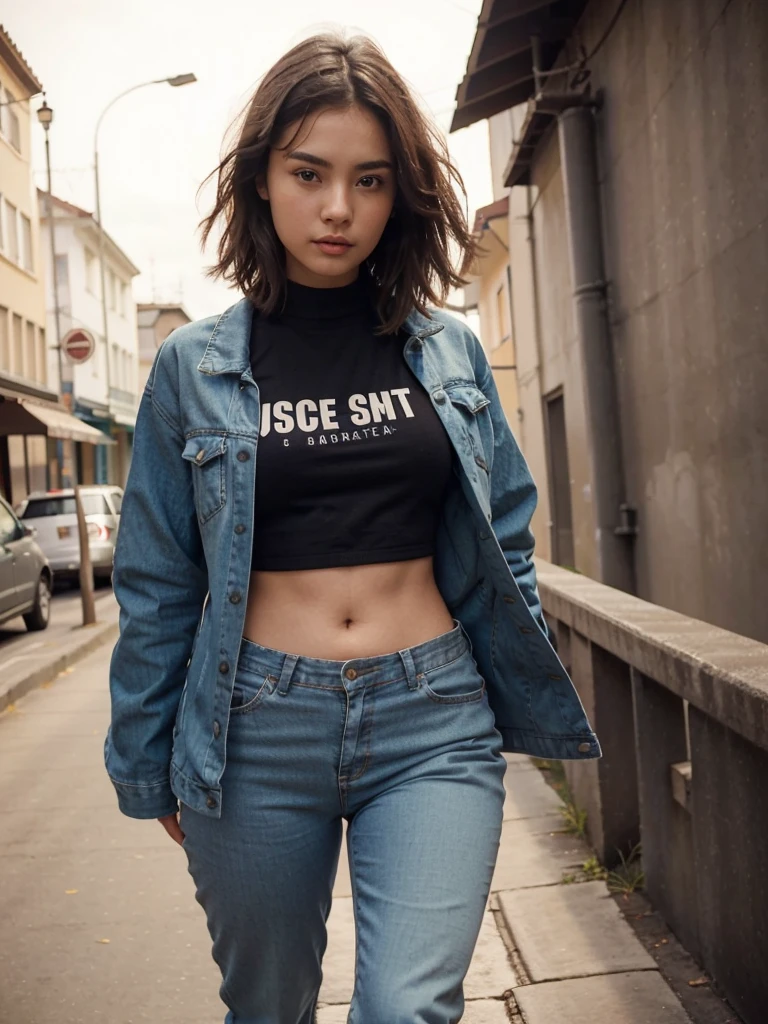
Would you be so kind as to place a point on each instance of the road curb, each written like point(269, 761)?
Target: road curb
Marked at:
point(94, 637)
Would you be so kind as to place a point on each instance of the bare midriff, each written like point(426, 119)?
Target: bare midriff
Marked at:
point(358, 611)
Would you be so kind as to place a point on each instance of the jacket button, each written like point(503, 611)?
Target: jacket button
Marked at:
point(243, 456)
point(210, 802)
point(439, 396)
point(224, 667)
point(200, 455)
point(484, 535)
point(216, 730)
point(351, 673)
point(240, 528)
point(584, 748)
point(510, 599)
point(235, 597)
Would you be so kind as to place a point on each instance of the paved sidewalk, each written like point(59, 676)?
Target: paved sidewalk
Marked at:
point(29, 659)
point(98, 921)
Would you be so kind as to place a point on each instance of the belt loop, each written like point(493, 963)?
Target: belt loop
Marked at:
point(289, 664)
point(465, 634)
point(410, 668)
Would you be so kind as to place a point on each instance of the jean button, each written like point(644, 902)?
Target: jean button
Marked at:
point(235, 597)
point(210, 802)
point(243, 456)
point(200, 455)
point(584, 748)
point(224, 667)
point(351, 673)
point(440, 397)
point(240, 528)
point(216, 730)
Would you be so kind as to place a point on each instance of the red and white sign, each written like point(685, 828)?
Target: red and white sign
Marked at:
point(79, 345)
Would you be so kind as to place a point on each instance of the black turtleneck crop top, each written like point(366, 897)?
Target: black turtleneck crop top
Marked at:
point(352, 459)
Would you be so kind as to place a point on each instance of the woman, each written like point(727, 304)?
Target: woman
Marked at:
point(312, 642)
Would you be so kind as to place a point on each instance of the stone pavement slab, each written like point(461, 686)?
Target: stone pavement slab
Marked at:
point(568, 931)
point(642, 997)
point(528, 795)
point(477, 1011)
point(535, 859)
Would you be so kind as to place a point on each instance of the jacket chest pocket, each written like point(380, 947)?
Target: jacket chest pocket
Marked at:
point(470, 405)
point(205, 454)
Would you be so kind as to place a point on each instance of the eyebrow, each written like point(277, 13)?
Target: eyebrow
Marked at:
point(318, 161)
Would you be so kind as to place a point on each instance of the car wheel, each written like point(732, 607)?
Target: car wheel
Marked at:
point(41, 612)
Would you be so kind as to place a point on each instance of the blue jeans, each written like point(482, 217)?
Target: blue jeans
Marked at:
point(404, 747)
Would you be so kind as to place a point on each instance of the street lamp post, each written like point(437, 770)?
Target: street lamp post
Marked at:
point(45, 117)
point(175, 81)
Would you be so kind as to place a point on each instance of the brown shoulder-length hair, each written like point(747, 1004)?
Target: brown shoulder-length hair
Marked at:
point(426, 247)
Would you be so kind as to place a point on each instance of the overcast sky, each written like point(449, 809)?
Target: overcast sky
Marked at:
point(157, 145)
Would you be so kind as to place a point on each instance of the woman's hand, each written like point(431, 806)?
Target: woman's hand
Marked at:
point(171, 825)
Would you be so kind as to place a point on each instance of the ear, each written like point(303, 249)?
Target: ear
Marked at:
point(261, 188)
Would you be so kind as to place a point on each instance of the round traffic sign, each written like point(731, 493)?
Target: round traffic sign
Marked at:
point(79, 345)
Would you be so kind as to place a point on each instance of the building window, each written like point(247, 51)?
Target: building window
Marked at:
point(42, 357)
point(2, 232)
point(114, 382)
point(26, 243)
point(124, 298)
point(9, 122)
point(17, 360)
point(12, 230)
point(5, 349)
point(502, 316)
point(91, 268)
point(31, 348)
point(112, 291)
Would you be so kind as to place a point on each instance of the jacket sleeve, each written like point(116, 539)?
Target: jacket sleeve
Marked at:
point(513, 494)
point(160, 582)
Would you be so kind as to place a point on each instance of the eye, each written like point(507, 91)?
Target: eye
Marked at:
point(373, 181)
point(305, 170)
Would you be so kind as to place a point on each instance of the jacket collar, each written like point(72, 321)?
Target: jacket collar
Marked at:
point(228, 348)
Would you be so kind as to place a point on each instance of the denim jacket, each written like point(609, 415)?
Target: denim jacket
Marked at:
point(183, 557)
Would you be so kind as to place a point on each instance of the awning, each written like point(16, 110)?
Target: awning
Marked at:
point(500, 66)
point(26, 417)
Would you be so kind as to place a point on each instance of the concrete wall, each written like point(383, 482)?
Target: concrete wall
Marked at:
point(683, 152)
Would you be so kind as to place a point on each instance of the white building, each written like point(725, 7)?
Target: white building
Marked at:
point(107, 401)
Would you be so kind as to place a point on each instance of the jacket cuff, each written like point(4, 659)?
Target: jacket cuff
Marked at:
point(146, 801)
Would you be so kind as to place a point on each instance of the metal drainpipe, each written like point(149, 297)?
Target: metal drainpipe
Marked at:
point(615, 554)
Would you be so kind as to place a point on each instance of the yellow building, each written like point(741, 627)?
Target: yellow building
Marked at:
point(23, 354)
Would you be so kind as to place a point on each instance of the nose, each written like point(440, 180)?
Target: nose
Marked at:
point(338, 206)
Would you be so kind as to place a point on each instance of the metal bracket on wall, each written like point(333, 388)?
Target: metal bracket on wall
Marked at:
point(628, 521)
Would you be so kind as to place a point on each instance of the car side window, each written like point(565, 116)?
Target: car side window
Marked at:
point(8, 525)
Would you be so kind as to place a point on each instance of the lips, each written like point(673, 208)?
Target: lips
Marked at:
point(333, 247)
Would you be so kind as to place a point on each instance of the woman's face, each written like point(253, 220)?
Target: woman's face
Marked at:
point(337, 179)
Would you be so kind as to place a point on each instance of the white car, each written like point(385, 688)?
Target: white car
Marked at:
point(53, 514)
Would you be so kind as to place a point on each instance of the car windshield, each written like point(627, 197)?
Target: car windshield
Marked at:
point(93, 504)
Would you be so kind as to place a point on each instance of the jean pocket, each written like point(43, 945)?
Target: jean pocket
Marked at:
point(458, 682)
point(248, 693)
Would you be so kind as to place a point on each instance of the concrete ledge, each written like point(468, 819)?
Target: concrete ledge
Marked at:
point(721, 673)
point(79, 643)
